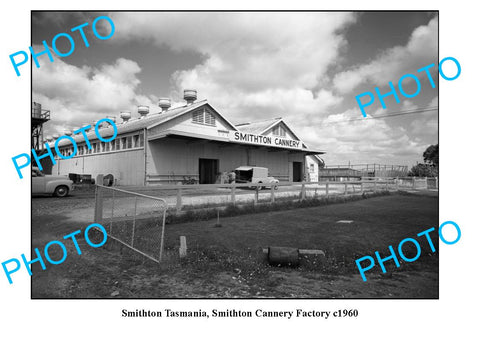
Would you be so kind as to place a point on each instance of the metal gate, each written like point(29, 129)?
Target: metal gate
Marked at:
point(137, 221)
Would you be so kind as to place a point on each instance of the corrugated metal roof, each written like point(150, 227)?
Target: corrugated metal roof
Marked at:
point(162, 117)
point(257, 128)
point(135, 124)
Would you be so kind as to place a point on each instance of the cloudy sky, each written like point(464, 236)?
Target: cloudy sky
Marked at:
point(306, 67)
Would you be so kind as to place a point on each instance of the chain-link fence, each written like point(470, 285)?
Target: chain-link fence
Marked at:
point(135, 220)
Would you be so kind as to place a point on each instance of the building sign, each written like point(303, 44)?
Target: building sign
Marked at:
point(236, 136)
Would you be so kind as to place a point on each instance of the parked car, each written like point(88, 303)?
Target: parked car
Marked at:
point(254, 174)
point(59, 186)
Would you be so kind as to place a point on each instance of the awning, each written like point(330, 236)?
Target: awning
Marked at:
point(225, 139)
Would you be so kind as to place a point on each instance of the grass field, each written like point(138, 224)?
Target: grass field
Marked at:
point(228, 262)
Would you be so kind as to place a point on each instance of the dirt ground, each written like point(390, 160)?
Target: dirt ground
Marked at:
point(228, 262)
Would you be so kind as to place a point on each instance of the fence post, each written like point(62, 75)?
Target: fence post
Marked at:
point(302, 192)
point(113, 206)
point(134, 220)
point(436, 182)
point(326, 189)
point(98, 216)
point(413, 182)
point(361, 187)
point(396, 183)
point(162, 234)
point(255, 197)
point(375, 184)
point(179, 198)
point(346, 191)
point(386, 184)
point(183, 247)
point(272, 194)
point(233, 194)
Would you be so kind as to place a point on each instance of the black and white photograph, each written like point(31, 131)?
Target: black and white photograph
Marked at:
point(225, 155)
point(238, 170)
point(236, 154)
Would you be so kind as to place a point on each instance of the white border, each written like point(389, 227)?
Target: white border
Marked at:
point(453, 316)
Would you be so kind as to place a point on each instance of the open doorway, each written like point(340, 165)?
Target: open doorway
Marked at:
point(297, 171)
point(207, 170)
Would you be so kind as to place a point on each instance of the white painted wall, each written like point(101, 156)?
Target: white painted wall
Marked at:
point(173, 158)
point(127, 166)
point(312, 174)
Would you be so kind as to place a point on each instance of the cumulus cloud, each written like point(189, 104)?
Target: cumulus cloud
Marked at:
point(346, 140)
point(393, 63)
point(80, 95)
point(426, 123)
point(269, 60)
point(255, 66)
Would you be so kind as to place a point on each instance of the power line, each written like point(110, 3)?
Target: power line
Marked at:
point(392, 114)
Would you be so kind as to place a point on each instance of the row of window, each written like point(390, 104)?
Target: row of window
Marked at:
point(119, 143)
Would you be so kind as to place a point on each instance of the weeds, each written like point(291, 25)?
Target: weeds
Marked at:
point(202, 214)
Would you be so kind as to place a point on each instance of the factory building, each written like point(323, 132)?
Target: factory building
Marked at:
point(193, 141)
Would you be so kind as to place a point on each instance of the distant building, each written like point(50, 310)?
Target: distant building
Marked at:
point(313, 166)
point(193, 141)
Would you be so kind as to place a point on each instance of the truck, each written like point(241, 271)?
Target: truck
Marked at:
point(58, 186)
point(254, 174)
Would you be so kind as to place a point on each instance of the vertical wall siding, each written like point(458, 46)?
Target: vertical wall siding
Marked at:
point(171, 158)
point(126, 166)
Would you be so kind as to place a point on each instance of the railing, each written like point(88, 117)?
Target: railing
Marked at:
point(363, 170)
point(174, 178)
point(181, 197)
point(41, 114)
point(370, 167)
point(135, 220)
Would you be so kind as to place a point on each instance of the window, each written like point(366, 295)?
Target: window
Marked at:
point(312, 167)
point(198, 117)
point(107, 146)
point(117, 144)
point(37, 173)
point(209, 118)
point(279, 131)
point(141, 139)
point(129, 142)
point(204, 117)
point(124, 143)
